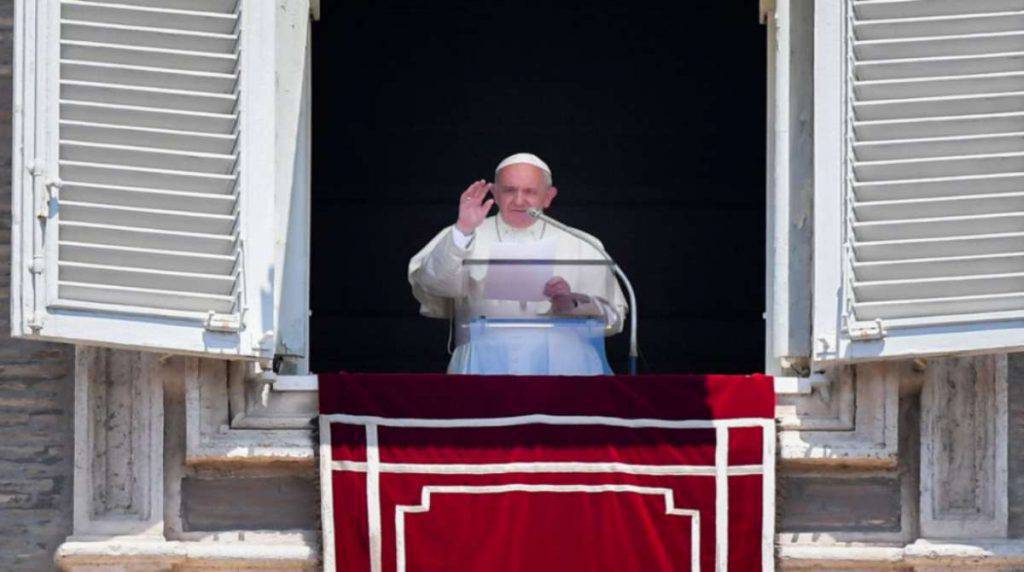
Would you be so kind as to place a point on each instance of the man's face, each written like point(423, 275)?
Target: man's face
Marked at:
point(520, 187)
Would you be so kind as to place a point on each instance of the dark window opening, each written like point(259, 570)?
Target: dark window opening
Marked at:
point(651, 115)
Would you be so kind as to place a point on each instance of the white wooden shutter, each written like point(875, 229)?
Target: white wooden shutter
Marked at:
point(919, 192)
point(144, 174)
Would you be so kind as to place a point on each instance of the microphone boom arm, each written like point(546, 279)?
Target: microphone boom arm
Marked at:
point(633, 347)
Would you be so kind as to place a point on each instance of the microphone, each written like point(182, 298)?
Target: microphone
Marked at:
point(633, 347)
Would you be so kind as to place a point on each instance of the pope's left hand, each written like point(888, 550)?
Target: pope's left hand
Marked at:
point(560, 293)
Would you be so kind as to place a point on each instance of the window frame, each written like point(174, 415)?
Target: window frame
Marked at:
point(36, 312)
point(836, 336)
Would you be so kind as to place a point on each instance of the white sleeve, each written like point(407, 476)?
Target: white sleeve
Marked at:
point(437, 269)
point(462, 240)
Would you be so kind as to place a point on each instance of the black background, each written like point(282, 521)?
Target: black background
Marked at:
point(652, 117)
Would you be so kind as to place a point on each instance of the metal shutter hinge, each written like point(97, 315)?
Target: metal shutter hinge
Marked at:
point(860, 331)
point(38, 264)
point(50, 205)
point(222, 322)
point(36, 323)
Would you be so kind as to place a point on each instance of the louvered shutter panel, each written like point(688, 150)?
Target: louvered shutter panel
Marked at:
point(923, 184)
point(145, 174)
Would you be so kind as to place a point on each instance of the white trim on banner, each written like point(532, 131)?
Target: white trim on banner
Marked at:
point(721, 471)
point(545, 467)
point(424, 506)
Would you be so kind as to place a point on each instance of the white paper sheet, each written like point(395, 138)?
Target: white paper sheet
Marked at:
point(524, 282)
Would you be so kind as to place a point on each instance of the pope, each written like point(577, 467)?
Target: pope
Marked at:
point(444, 285)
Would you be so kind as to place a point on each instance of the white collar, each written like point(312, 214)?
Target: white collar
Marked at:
point(508, 233)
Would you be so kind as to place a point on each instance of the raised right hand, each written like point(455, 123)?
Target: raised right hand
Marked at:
point(472, 207)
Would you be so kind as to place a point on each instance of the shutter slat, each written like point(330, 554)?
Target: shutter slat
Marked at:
point(92, 32)
point(919, 108)
point(147, 137)
point(918, 268)
point(939, 207)
point(976, 245)
point(148, 198)
point(957, 305)
point(141, 297)
point(127, 176)
point(939, 227)
point(123, 155)
point(151, 258)
point(964, 125)
point(979, 245)
point(940, 287)
point(129, 116)
point(148, 57)
point(930, 67)
point(152, 17)
point(888, 9)
point(203, 82)
point(222, 6)
point(946, 25)
point(147, 238)
point(938, 86)
point(939, 147)
point(938, 47)
point(904, 169)
point(151, 97)
point(939, 187)
point(147, 218)
point(146, 278)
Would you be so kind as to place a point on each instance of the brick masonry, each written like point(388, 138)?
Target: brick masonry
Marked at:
point(36, 397)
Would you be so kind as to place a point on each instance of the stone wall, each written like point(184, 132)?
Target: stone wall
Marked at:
point(36, 397)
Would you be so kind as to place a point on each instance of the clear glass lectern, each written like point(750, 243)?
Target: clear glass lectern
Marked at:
point(516, 317)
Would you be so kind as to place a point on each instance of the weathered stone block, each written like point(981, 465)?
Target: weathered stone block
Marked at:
point(239, 503)
point(846, 503)
point(964, 448)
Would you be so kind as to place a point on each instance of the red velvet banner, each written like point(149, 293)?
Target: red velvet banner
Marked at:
point(648, 473)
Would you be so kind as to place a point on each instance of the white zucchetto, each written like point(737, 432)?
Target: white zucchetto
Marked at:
point(523, 158)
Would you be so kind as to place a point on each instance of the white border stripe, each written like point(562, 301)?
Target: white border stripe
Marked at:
point(373, 497)
point(545, 419)
point(768, 501)
point(721, 499)
point(327, 494)
point(546, 467)
point(766, 470)
point(666, 494)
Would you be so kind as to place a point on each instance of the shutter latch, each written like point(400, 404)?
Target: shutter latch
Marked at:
point(860, 331)
point(222, 322)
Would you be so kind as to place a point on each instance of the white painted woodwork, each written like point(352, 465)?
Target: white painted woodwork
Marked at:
point(964, 448)
point(294, 155)
point(154, 165)
point(828, 177)
point(789, 183)
point(919, 213)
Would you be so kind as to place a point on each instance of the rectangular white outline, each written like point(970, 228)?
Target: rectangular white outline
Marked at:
point(721, 469)
point(424, 506)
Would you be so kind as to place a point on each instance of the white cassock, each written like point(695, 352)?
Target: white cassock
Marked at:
point(439, 282)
